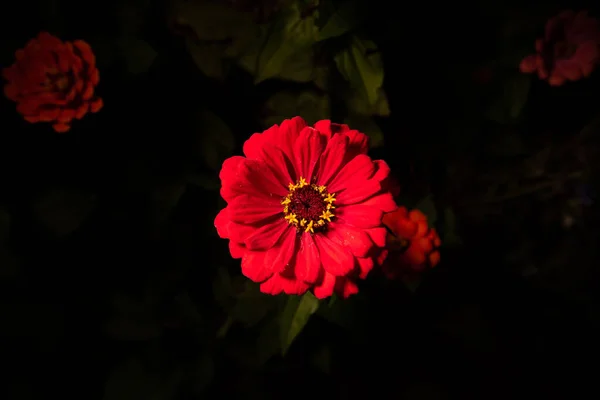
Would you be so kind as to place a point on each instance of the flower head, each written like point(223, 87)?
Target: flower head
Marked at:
point(53, 81)
point(304, 208)
point(412, 245)
point(569, 50)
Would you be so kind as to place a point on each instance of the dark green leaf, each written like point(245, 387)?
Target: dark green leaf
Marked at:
point(214, 21)
point(451, 237)
point(131, 381)
point(295, 316)
point(268, 343)
point(216, 140)
point(427, 207)
point(308, 104)
point(204, 373)
point(347, 17)
point(321, 359)
point(165, 199)
point(4, 225)
point(289, 35)
point(61, 212)
point(251, 305)
point(133, 320)
point(207, 57)
point(511, 99)
point(367, 126)
point(358, 103)
point(362, 66)
point(137, 54)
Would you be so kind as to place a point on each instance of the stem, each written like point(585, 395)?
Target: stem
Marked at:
point(224, 328)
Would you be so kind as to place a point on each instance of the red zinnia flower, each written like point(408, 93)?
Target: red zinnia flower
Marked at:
point(569, 49)
point(304, 208)
point(412, 246)
point(53, 81)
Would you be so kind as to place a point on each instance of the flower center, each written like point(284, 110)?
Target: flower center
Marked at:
point(308, 206)
point(564, 50)
point(396, 243)
point(56, 80)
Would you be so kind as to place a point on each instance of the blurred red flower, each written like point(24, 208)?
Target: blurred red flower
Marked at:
point(568, 51)
point(412, 246)
point(304, 208)
point(53, 81)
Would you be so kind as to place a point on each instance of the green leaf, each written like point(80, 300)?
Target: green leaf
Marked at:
point(346, 18)
point(427, 207)
point(268, 343)
point(207, 57)
point(358, 104)
point(367, 126)
point(216, 140)
point(131, 15)
point(309, 105)
point(204, 181)
point(61, 212)
point(133, 320)
point(137, 54)
point(295, 316)
point(251, 305)
point(213, 21)
point(362, 66)
point(321, 360)
point(131, 381)
point(451, 237)
point(511, 99)
point(165, 199)
point(289, 34)
point(203, 374)
point(299, 67)
point(4, 225)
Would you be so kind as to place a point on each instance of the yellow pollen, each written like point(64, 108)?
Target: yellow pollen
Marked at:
point(307, 206)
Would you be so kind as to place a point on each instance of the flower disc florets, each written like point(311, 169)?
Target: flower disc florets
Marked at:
point(308, 206)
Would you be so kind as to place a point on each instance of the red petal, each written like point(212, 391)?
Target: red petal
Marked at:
point(253, 146)
point(359, 169)
point(285, 138)
point(248, 210)
point(365, 265)
point(307, 151)
point(529, 64)
point(385, 202)
point(253, 266)
point(325, 289)
point(242, 176)
point(324, 127)
point(568, 69)
point(272, 286)
point(236, 250)
point(378, 236)
point(280, 257)
point(358, 193)
point(308, 262)
point(353, 239)
point(278, 283)
point(331, 159)
point(335, 259)
point(267, 235)
point(345, 288)
point(359, 143)
point(382, 170)
point(222, 222)
point(360, 215)
point(279, 164)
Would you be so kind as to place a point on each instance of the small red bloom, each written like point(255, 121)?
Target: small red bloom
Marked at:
point(304, 208)
point(53, 81)
point(569, 50)
point(412, 246)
